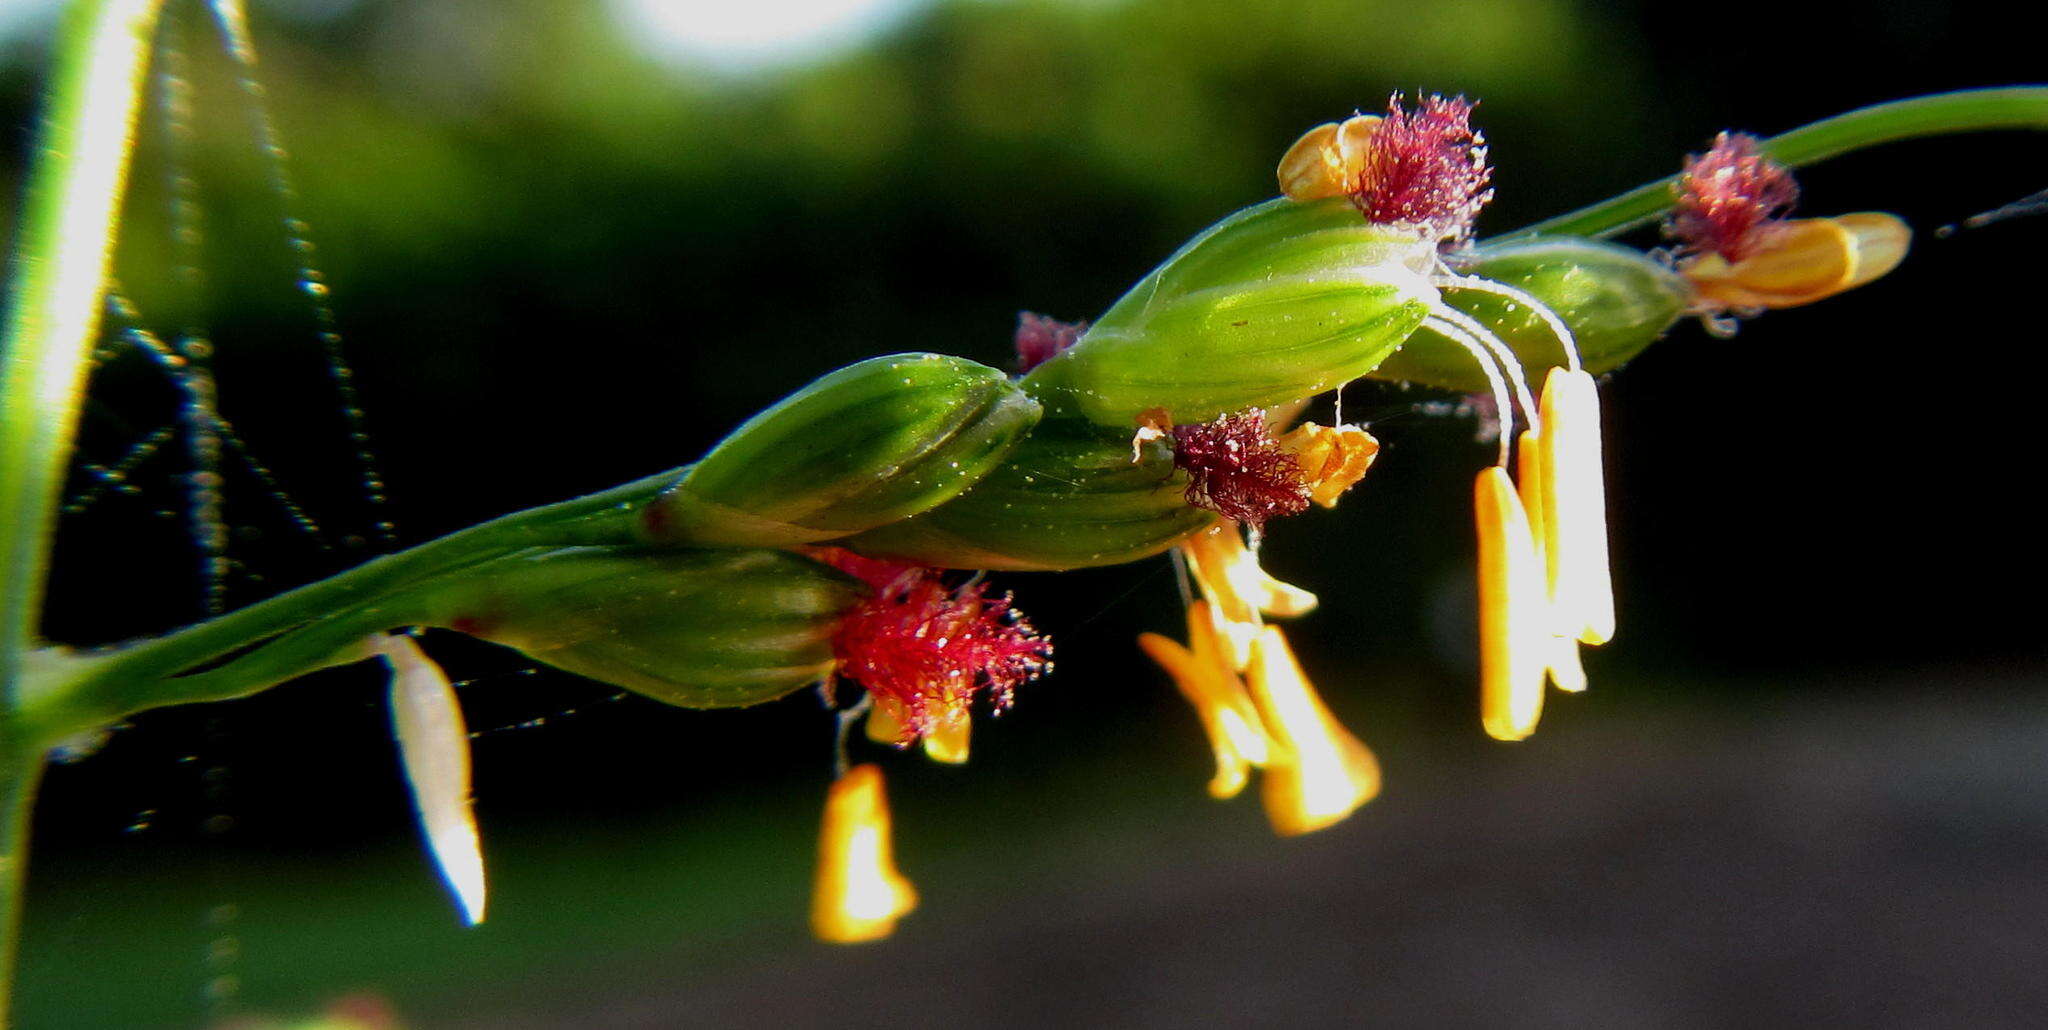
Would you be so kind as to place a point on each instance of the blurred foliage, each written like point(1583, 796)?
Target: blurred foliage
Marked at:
point(510, 155)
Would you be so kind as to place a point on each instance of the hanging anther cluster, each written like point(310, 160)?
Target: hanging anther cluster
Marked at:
point(1544, 586)
point(1539, 510)
point(1254, 701)
point(922, 650)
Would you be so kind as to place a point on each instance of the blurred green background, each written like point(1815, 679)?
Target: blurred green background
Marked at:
point(572, 243)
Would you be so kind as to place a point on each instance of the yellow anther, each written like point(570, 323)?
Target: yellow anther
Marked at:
point(1240, 721)
point(1531, 483)
point(1575, 507)
point(1326, 160)
point(888, 723)
point(858, 895)
point(1205, 678)
point(947, 740)
point(1565, 669)
point(1333, 458)
point(1881, 243)
point(1230, 576)
point(1308, 170)
point(1233, 637)
point(1802, 261)
point(1515, 619)
point(1320, 773)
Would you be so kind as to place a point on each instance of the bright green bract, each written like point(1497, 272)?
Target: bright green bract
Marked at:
point(1274, 304)
point(696, 628)
point(1070, 497)
point(869, 444)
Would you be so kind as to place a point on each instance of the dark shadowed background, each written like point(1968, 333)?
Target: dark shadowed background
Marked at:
point(572, 243)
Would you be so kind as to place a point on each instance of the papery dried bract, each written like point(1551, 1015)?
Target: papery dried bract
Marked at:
point(434, 748)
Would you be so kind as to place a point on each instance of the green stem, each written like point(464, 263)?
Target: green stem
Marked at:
point(77, 178)
point(321, 618)
point(341, 640)
point(1974, 110)
point(20, 770)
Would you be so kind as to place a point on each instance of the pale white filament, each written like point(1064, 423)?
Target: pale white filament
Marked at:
point(1501, 399)
point(1502, 290)
point(1510, 362)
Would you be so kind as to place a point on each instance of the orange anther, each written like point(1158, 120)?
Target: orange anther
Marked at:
point(1801, 261)
point(1326, 161)
point(1321, 772)
point(1515, 619)
point(858, 894)
point(1334, 458)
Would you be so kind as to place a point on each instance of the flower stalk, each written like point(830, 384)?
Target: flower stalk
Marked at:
point(2022, 108)
point(78, 177)
point(77, 180)
point(1272, 305)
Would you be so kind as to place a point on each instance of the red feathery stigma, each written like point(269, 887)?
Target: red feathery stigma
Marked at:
point(880, 574)
point(1729, 198)
point(1236, 469)
point(928, 646)
point(1425, 169)
point(1040, 338)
